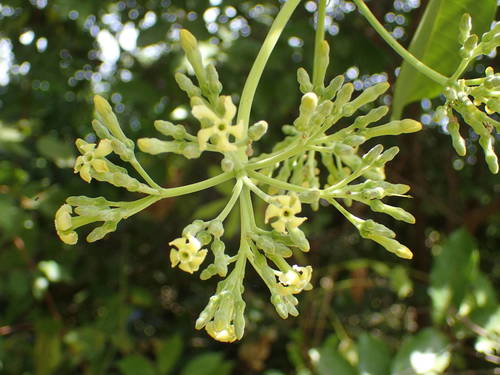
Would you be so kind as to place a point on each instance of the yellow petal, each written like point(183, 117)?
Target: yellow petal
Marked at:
point(85, 173)
point(100, 165)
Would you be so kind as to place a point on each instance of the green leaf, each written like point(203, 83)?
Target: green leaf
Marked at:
point(489, 320)
point(208, 364)
point(60, 152)
point(436, 44)
point(47, 351)
point(136, 364)
point(452, 272)
point(425, 353)
point(374, 356)
point(168, 353)
point(330, 361)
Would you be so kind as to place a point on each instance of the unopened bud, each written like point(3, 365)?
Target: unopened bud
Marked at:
point(304, 81)
point(257, 130)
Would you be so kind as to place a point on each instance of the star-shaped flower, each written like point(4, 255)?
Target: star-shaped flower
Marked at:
point(188, 254)
point(92, 158)
point(281, 213)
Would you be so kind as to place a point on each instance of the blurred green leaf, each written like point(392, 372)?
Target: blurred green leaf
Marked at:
point(400, 281)
point(136, 364)
point(374, 356)
point(330, 361)
point(436, 44)
point(452, 271)
point(208, 364)
point(47, 351)
point(61, 153)
point(488, 322)
point(427, 353)
point(168, 353)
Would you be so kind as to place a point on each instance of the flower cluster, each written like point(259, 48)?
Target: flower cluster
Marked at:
point(475, 100)
point(314, 162)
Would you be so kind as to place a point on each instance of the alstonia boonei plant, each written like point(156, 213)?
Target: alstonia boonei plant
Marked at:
point(322, 157)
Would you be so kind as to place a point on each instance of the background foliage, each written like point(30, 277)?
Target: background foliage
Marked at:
point(116, 307)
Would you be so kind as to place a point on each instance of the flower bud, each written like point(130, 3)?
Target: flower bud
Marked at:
point(395, 212)
point(333, 87)
point(214, 84)
point(257, 130)
point(177, 132)
point(107, 117)
point(465, 28)
point(367, 96)
point(216, 228)
point(186, 85)
point(393, 128)
point(369, 228)
point(457, 140)
point(155, 146)
point(372, 155)
point(304, 81)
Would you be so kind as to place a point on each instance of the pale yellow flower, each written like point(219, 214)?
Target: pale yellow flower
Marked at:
point(281, 213)
point(63, 224)
point(92, 158)
point(294, 280)
point(188, 254)
point(226, 334)
point(221, 130)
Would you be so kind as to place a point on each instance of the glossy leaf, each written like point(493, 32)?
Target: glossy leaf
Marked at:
point(452, 273)
point(425, 353)
point(168, 353)
point(436, 44)
point(136, 364)
point(374, 356)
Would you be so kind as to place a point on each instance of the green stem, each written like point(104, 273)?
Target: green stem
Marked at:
point(192, 188)
point(353, 219)
point(461, 68)
point(265, 197)
point(292, 149)
point(407, 56)
point(319, 37)
point(138, 167)
point(277, 183)
point(234, 197)
point(260, 62)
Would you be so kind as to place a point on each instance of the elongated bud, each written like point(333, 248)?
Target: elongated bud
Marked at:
point(457, 140)
point(108, 118)
point(155, 146)
point(323, 61)
point(214, 85)
point(191, 150)
point(373, 154)
point(332, 88)
point(370, 228)
point(394, 128)
point(465, 27)
point(257, 130)
point(119, 148)
point(367, 96)
point(395, 212)
point(308, 103)
point(387, 156)
point(190, 46)
point(393, 246)
point(186, 85)
point(373, 116)
point(167, 128)
point(304, 81)
point(489, 153)
point(100, 130)
point(343, 96)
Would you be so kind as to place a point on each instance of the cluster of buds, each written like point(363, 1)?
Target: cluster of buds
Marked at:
point(475, 100)
point(223, 318)
point(89, 210)
point(292, 173)
point(219, 131)
point(339, 153)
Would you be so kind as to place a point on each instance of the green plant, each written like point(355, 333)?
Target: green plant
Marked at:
point(314, 162)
